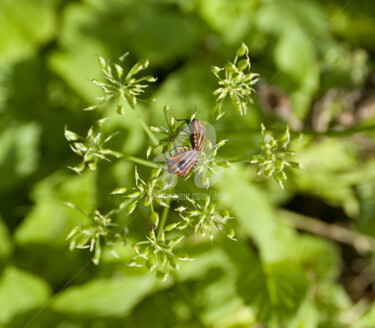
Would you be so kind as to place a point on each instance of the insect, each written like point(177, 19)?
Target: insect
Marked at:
point(197, 133)
point(183, 161)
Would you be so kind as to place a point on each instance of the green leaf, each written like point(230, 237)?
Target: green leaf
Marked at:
point(232, 19)
point(203, 262)
point(254, 214)
point(330, 170)
point(222, 304)
point(275, 290)
point(76, 59)
point(332, 297)
point(20, 291)
point(295, 55)
point(367, 320)
point(149, 27)
point(19, 153)
point(317, 256)
point(24, 26)
point(105, 297)
point(51, 219)
point(307, 316)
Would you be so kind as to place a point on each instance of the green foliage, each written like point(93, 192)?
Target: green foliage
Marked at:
point(21, 30)
point(117, 296)
point(157, 254)
point(203, 219)
point(150, 192)
point(94, 235)
point(273, 157)
point(236, 84)
point(19, 154)
point(19, 292)
point(91, 147)
point(50, 220)
point(275, 290)
point(296, 256)
point(123, 87)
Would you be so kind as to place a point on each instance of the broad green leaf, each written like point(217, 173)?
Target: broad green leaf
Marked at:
point(232, 19)
point(330, 169)
point(76, 61)
point(105, 297)
point(295, 55)
point(274, 290)
point(24, 25)
point(317, 256)
point(332, 298)
point(19, 153)
point(149, 27)
point(221, 304)
point(254, 213)
point(203, 262)
point(21, 291)
point(51, 219)
point(307, 316)
point(305, 15)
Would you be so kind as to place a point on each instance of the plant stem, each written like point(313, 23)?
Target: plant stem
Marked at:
point(214, 109)
point(142, 161)
point(360, 242)
point(163, 218)
point(145, 127)
point(119, 209)
point(238, 160)
point(330, 133)
point(341, 133)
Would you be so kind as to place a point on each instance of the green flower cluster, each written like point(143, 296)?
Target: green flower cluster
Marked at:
point(274, 156)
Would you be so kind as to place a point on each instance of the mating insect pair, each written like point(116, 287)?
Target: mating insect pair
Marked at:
point(186, 158)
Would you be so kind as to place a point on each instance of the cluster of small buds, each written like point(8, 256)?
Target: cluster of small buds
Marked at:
point(208, 164)
point(202, 218)
point(125, 88)
point(274, 156)
point(237, 83)
point(91, 147)
point(156, 253)
point(153, 190)
point(94, 235)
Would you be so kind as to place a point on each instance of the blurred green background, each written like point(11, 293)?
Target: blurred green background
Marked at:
point(305, 256)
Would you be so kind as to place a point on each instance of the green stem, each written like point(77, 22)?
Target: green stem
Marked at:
point(119, 209)
point(163, 218)
point(141, 161)
point(214, 109)
point(238, 160)
point(361, 242)
point(342, 133)
point(145, 127)
point(331, 133)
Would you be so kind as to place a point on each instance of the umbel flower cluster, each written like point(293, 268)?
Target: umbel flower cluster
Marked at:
point(274, 156)
point(188, 147)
